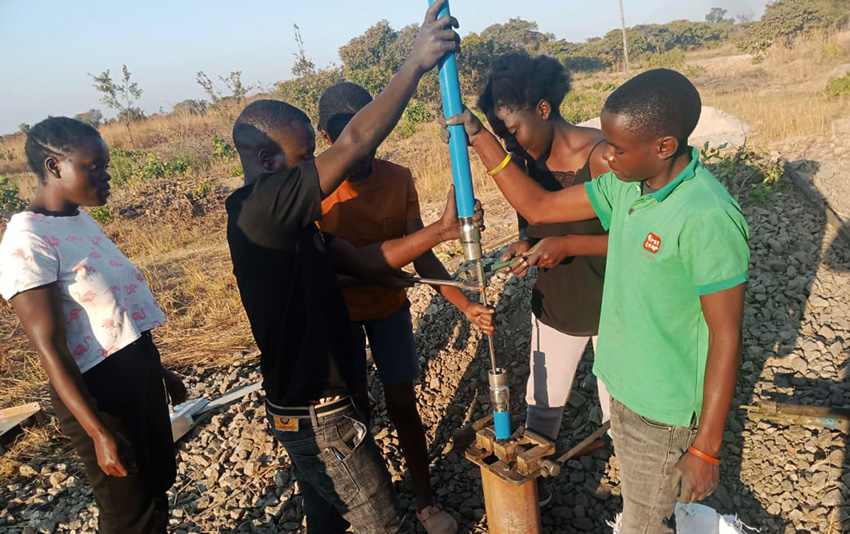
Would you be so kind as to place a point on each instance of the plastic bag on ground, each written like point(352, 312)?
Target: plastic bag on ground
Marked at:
point(695, 518)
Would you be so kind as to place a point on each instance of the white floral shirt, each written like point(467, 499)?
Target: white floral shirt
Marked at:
point(105, 301)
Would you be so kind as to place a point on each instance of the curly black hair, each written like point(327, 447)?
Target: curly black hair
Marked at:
point(338, 104)
point(518, 81)
point(657, 103)
point(57, 137)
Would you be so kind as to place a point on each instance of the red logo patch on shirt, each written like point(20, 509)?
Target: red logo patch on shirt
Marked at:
point(652, 243)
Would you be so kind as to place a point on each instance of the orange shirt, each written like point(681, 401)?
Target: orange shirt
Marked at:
point(368, 212)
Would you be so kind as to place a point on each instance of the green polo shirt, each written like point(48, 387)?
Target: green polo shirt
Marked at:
point(665, 249)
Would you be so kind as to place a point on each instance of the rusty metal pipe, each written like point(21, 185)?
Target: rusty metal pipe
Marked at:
point(511, 509)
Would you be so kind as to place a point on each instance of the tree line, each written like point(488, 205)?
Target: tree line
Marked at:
point(370, 59)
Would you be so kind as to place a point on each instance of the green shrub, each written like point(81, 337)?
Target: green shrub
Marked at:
point(10, 199)
point(203, 189)
point(578, 106)
point(123, 165)
point(838, 87)
point(153, 168)
point(221, 148)
point(180, 164)
point(693, 71)
point(604, 86)
point(785, 21)
point(414, 114)
point(235, 170)
point(101, 214)
point(832, 52)
point(671, 59)
point(133, 166)
point(744, 172)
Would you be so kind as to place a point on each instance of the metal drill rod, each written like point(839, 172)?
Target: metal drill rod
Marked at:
point(482, 283)
point(440, 282)
point(470, 237)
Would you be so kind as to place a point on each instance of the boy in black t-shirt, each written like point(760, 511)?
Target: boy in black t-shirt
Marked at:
point(286, 272)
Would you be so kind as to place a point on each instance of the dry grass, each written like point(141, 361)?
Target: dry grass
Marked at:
point(783, 96)
point(12, 157)
point(34, 443)
point(775, 116)
point(427, 158)
point(164, 130)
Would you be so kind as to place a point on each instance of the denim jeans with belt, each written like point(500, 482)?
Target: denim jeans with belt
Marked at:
point(342, 474)
point(647, 451)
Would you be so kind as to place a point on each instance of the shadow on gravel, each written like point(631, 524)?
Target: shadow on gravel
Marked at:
point(787, 243)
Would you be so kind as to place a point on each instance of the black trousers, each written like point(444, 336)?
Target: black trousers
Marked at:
point(131, 400)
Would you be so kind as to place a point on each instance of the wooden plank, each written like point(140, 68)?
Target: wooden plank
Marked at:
point(11, 418)
point(12, 421)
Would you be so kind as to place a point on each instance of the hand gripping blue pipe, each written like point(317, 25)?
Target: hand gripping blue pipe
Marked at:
point(469, 235)
point(462, 175)
point(452, 105)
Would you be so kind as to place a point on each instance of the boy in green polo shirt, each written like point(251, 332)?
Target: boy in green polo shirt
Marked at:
point(669, 335)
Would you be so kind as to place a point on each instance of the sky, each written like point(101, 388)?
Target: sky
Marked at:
point(49, 48)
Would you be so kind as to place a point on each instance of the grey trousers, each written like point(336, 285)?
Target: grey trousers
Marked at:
point(647, 451)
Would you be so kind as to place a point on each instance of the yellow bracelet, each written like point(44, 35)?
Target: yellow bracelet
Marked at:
point(500, 166)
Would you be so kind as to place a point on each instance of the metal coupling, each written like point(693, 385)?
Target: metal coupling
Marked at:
point(470, 239)
point(500, 396)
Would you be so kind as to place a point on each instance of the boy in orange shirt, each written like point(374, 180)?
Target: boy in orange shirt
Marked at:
point(378, 202)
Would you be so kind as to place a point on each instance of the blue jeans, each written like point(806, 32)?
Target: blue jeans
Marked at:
point(342, 475)
point(647, 451)
point(392, 343)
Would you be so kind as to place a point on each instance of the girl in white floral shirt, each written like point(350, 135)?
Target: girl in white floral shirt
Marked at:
point(88, 313)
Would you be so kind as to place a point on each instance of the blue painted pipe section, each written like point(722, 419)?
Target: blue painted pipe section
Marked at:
point(502, 424)
point(458, 150)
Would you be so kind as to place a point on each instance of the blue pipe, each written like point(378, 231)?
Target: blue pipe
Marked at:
point(502, 424)
point(465, 199)
point(458, 146)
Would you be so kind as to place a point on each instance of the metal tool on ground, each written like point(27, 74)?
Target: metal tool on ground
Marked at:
point(797, 414)
point(470, 238)
point(552, 468)
point(185, 416)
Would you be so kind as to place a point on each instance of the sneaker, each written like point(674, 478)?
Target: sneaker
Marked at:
point(437, 521)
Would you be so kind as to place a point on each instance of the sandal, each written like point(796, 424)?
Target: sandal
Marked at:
point(437, 521)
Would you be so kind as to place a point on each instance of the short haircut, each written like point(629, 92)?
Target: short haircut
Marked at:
point(518, 81)
point(657, 103)
point(260, 118)
point(57, 137)
point(338, 104)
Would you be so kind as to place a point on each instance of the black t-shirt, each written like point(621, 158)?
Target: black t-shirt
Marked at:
point(289, 288)
point(568, 297)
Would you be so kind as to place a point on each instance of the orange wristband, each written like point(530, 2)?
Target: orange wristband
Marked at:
point(703, 456)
